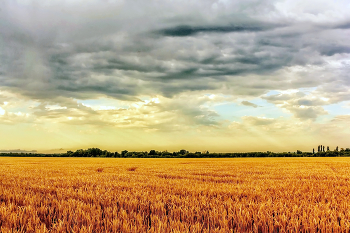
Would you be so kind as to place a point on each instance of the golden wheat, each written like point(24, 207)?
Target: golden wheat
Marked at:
point(174, 195)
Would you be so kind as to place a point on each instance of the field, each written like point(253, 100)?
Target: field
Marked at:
point(174, 195)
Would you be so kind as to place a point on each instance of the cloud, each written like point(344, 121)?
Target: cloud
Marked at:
point(185, 30)
point(303, 112)
point(57, 55)
point(118, 55)
point(257, 121)
point(158, 113)
point(301, 105)
point(272, 128)
point(12, 118)
point(247, 103)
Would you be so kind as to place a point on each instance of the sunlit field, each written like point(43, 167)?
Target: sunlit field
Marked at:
point(174, 195)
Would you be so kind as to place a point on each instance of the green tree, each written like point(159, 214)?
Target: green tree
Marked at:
point(182, 152)
point(124, 152)
point(152, 152)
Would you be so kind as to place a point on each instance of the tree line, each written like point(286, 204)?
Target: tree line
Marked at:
point(96, 152)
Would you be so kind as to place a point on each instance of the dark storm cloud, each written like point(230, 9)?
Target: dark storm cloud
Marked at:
point(51, 50)
point(345, 25)
point(330, 50)
point(185, 30)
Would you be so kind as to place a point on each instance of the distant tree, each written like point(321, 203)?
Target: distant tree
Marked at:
point(81, 153)
point(108, 154)
point(298, 152)
point(124, 152)
point(94, 152)
point(182, 152)
point(166, 154)
point(327, 148)
point(129, 154)
point(313, 150)
point(336, 148)
point(152, 152)
point(323, 148)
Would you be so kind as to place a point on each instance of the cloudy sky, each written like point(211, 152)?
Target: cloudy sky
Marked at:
point(215, 75)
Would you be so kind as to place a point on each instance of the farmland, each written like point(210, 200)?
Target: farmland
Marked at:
point(174, 195)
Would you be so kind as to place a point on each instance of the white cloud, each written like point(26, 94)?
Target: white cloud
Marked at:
point(54, 107)
point(2, 111)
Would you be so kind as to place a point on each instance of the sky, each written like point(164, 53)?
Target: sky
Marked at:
point(216, 75)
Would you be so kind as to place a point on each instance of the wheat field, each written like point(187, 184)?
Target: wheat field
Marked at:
point(174, 195)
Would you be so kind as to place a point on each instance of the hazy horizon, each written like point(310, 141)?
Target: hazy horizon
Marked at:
point(216, 75)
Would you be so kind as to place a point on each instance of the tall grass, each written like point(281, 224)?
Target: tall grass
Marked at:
point(174, 195)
